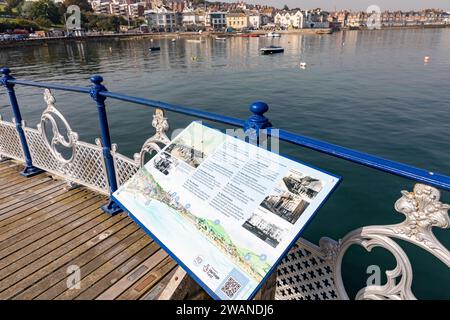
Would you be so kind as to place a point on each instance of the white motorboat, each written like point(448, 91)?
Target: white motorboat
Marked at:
point(221, 38)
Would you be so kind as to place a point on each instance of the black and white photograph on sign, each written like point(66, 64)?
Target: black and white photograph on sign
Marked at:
point(188, 154)
point(285, 205)
point(265, 230)
point(165, 163)
point(304, 186)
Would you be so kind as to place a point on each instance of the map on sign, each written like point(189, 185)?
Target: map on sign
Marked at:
point(226, 210)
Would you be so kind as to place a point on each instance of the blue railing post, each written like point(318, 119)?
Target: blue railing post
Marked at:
point(257, 120)
point(29, 169)
point(111, 207)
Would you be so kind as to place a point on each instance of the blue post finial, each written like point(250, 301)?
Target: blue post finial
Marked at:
point(6, 76)
point(257, 120)
point(96, 79)
point(96, 88)
point(111, 207)
point(5, 71)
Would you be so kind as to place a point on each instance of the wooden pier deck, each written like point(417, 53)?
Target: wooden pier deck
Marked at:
point(47, 231)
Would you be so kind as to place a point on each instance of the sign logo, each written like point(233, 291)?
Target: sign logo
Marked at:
point(198, 261)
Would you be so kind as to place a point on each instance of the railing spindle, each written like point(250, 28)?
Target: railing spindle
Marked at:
point(29, 169)
point(111, 207)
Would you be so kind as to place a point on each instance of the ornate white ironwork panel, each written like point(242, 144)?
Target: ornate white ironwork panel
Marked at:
point(305, 274)
point(86, 168)
point(9, 141)
point(422, 210)
point(125, 167)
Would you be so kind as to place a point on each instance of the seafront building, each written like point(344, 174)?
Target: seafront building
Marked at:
point(163, 19)
point(182, 15)
point(238, 20)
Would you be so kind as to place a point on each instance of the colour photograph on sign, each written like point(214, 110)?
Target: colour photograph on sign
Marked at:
point(226, 210)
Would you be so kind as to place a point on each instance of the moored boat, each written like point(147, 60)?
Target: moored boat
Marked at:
point(154, 48)
point(324, 31)
point(271, 50)
point(221, 38)
point(273, 35)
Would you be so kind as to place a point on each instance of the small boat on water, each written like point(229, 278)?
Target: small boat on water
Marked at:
point(324, 31)
point(271, 50)
point(303, 65)
point(221, 38)
point(273, 35)
point(154, 48)
point(194, 40)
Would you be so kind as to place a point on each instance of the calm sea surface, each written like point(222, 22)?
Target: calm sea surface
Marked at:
point(365, 90)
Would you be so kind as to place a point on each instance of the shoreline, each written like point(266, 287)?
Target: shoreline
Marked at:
point(165, 35)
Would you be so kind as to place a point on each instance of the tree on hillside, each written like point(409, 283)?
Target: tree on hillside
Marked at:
point(45, 10)
point(12, 4)
point(286, 8)
point(26, 9)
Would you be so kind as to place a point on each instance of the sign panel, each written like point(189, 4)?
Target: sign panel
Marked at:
point(226, 210)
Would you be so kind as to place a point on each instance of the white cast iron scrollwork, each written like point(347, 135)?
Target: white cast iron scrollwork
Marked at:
point(161, 126)
point(51, 115)
point(125, 167)
point(423, 211)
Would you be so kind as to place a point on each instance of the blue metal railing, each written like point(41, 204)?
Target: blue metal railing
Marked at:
point(256, 121)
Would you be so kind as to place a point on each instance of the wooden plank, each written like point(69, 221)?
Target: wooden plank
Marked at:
point(149, 280)
point(27, 209)
point(52, 232)
point(115, 290)
point(56, 282)
point(14, 169)
point(176, 286)
point(102, 278)
point(8, 164)
point(36, 217)
point(29, 196)
point(34, 252)
point(44, 229)
point(17, 182)
point(52, 222)
point(47, 280)
point(13, 188)
point(32, 240)
point(8, 176)
point(267, 291)
point(155, 292)
point(19, 216)
point(25, 277)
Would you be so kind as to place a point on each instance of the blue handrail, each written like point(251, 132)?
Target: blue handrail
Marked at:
point(257, 121)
